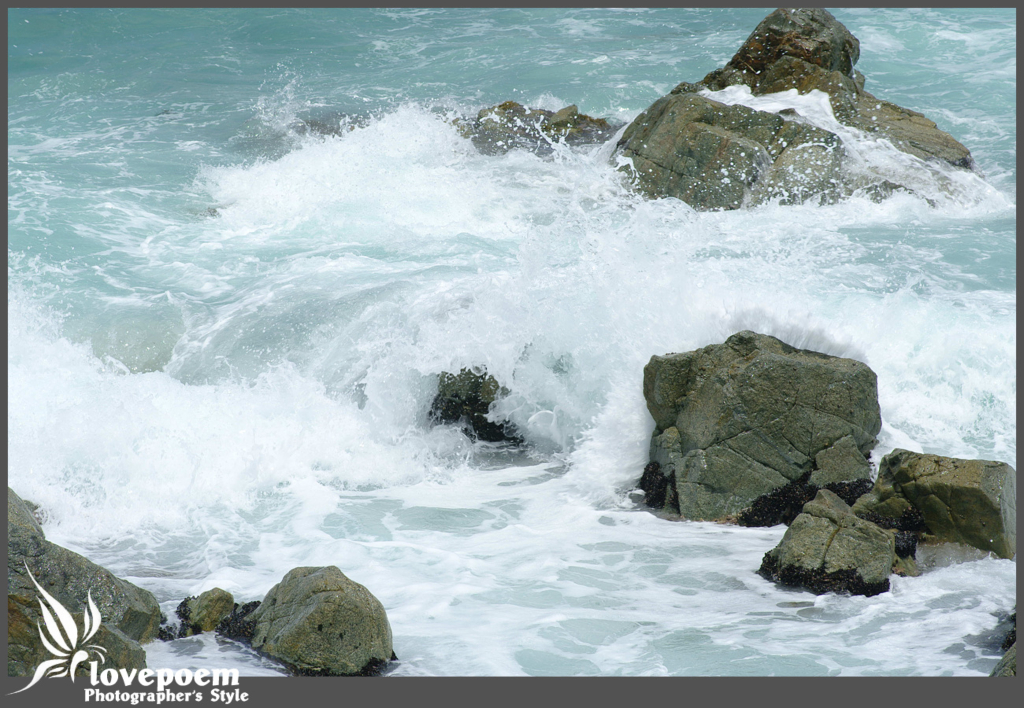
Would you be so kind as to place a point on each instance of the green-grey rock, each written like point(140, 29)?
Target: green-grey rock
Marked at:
point(737, 420)
point(317, 621)
point(207, 610)
point(828, 548)
point(130, 613)
point(842, 462)
point(973, 502)
point(1007, 666)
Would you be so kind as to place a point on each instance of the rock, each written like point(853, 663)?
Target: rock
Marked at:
point(711, 155)
point(714, 156)
point(829, 549)
point(1007, 666)
point(807, 49)
point(510, 125)
point(466, 398)
point(203, 613)
point(129, 614)
point(973, 502)
point(318, 622)
point(738, 420)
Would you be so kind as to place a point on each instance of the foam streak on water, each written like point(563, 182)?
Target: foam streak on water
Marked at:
point(224, 332)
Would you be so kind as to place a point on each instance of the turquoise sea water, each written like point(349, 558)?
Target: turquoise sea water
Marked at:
point(224, 333)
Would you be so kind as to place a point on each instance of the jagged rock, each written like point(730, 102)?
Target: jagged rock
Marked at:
point(1007, 666)
point(973, 502)
point(318, 622)
point(129, 614)
point(466, 398)
point(509, 125)
point(738, 420)
point(809, 49)
point(829, 549)
point(714, 156)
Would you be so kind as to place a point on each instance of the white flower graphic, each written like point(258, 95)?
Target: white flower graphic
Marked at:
point(66, 645)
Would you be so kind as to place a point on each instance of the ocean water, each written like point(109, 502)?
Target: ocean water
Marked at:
point(224, 334)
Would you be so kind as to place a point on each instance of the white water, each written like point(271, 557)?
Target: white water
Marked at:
point(211, 400)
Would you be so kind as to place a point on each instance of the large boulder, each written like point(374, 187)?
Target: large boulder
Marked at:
point(738, 420)
point(829, 549)
point(466, 398)
point(696, 150)
point(973, 502)
point(318, 622)
point(510, 125)
point(129, 614)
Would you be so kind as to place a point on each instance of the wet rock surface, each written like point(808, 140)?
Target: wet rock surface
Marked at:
point(739, 420)
point(510, 125)
point(715, 156)
point(130, 615)
point(465, 398)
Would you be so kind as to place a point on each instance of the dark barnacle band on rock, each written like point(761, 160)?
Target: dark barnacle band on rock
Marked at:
point(240, 625)
point(819, 581)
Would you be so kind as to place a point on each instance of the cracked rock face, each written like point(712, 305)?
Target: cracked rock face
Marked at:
point(738, 420)
point(828, 549)
point(973, 502)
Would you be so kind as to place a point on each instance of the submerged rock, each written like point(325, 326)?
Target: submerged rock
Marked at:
point(714, 156)
point(510, 125)
point(466, 398)
point(973, 502)
point(130, 615)
point(318, 622)
point(739, 420)
point(829, 549)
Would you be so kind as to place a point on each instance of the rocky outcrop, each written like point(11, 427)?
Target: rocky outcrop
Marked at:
point(318, 622)
point(739, 420)
point(510, 125)
point(466, 398)
point(973, 502)
point(829, 549)
point(714, 156)
point(129, 614)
